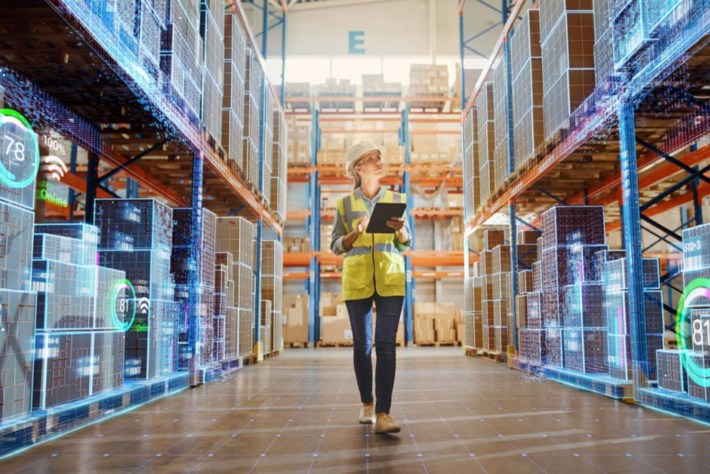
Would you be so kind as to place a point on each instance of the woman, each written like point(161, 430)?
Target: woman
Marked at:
point(373, 271)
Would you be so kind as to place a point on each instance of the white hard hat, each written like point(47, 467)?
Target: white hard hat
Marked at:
point(356, 152)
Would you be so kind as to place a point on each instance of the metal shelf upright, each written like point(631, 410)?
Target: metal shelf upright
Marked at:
point(314, 223)
point(407, 189)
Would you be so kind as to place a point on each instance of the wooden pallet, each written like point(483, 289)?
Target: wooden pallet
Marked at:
point(471, 352)
point(298, 345)
point(333, 344)
point(495, 356)
point(438, 343)
point(249, 360)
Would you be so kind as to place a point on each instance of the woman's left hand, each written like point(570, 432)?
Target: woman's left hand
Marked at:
point(396, 223)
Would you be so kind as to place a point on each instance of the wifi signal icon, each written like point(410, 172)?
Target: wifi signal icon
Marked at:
point(55, 166)
point(144, 305)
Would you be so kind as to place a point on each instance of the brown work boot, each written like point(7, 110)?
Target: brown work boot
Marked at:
point(367, 414)
point(385, 424)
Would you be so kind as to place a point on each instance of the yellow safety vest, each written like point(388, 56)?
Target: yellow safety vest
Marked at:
point(374, 260)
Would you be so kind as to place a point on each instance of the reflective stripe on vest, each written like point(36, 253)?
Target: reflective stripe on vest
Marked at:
point(359, 251)
point(386, 248)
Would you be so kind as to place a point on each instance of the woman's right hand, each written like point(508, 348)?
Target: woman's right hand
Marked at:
point(362, 224)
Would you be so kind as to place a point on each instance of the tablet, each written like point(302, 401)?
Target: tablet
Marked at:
point(383, 212)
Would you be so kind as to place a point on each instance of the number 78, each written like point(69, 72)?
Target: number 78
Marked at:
point(19, 148)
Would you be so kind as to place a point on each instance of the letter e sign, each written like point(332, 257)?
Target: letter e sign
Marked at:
point(356, 41)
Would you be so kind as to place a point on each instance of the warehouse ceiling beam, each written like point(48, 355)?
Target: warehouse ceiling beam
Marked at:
point(132, 160)
point(272, 2)
point(302, 6)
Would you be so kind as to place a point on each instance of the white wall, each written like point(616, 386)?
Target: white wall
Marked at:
point(391, 28)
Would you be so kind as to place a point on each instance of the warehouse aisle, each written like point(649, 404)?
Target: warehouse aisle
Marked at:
point(297, 413)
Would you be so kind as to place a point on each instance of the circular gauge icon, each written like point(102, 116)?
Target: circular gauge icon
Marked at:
point(698, 288)
point(124, 306)
point(19, 150)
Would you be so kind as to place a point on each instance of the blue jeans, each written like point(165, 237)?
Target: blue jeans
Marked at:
point(389, 309)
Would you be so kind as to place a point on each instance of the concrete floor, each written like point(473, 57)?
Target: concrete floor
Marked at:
point(297, 413)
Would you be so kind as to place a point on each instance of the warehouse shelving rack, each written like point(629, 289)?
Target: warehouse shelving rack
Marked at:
point(402, 175)
point(64, 76)
point(632, 147)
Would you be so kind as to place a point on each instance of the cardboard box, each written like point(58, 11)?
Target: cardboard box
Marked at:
point(460, 332)
point(329, 304)
point(336, 330)
point(424, 336)
point(446, 335)
point(443, 324)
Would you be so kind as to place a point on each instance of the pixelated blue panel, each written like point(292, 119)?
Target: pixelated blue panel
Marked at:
point(16, 242)
point(17, 324)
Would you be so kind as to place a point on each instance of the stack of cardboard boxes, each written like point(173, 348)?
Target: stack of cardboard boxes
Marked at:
point(299, 141)
point(486, 141)
point(568, 76)
point(296, 311)
point(332, 152)
point(471, 179)
point(335, 323)
point(501, 122)
point(427, 149)
point(436, 322)
point(335, 88)
point(297, 244)
point(374, 85)
point(526, 62)
point(456, 230)
point(428, 80)
point(298, 89)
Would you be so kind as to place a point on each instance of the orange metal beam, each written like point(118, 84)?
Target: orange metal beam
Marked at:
point(296, 275)
point(297, 215)
point(646, 180)
point(436, 213)
point(664, 206)
point(299, 259)
point(436, 275)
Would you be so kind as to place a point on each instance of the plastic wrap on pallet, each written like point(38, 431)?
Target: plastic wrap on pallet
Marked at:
point(537, 276)
point(486, 141)
point(16, 231)
point(585, 350)
point(671, 373)
point(553, 347)
point(525, 281)
point(236, 236)
point(567, 60)
point(501, 122)
point(583, 306)
point(19, 309)
point(534, 311)
point(528, 113)
point(573, 225)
